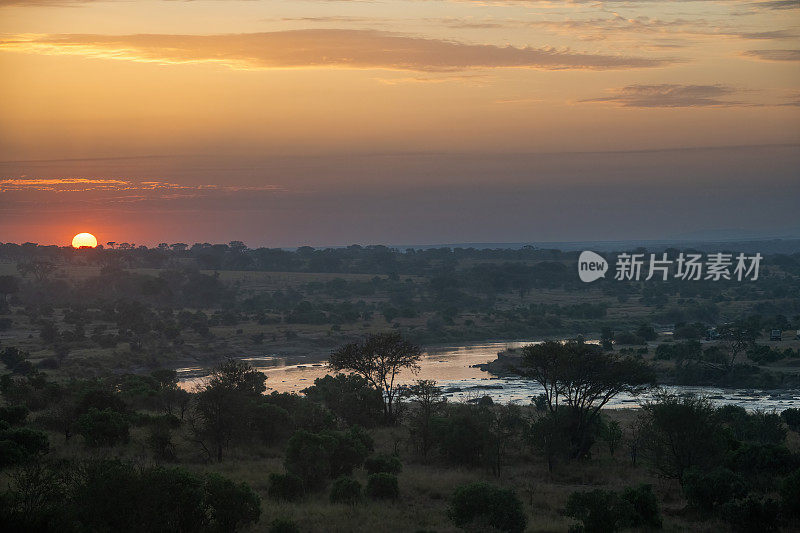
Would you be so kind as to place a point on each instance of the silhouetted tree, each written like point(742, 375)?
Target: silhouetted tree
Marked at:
point(379, 358)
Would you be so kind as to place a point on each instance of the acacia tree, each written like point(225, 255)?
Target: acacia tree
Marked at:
point(737, 338)
point(379, 358)
point(582, 378)
point(429, 402)
point(224, 403)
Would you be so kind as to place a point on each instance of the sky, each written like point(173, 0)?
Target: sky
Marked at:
point(305, 122)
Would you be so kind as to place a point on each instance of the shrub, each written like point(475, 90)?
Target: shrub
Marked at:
point(594, 509)
point(18, 445)
point(638, 507)
point(232, 505)
point(751, 514)
point(308, 456)
point(463, 435)
point(287, 487)
point(790, 493)
point(604, 511)
point(792, 418)
point(388, 464)
point(482, 505)
point(762, 459)
point(103, 428)
point(351, 448)
point(13, 415)
point(382, 486)
point(345, 490)
point(350, 397)
point(283, 525)
point(708, 490)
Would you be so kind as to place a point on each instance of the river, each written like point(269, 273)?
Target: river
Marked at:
point(452, 367)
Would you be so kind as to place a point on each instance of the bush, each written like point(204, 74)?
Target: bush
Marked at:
point(351, 448)
point(755, 459)
point(594, 509)
point(638, 507)
point(350, 397)
point(792, 418)
point(790, 493)
point(287, 487)
point(232, 505)
point(382, 486)
point(388, 464)
point(283, 525)
point(604, 511)
point(113, 495)
point(706, 491)
point(482, 505)
point(345, 490)
point(308, 456)
point(463, 435)
point(13, 415)
point(18, 445)
point(103, 428)
point(751, 515)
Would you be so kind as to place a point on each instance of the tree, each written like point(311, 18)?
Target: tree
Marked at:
point(583, 378)
point(224, 404)
point(737, 338)
point(350, 396)
point(8, 285)
point(605, 511)
point(428, 400)
point(379, 358)
point(681, 432)
point(483, 506)
point(103, 428)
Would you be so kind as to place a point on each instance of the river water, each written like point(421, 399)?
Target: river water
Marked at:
point(452, 367)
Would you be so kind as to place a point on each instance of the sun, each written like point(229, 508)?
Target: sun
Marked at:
point(84, 240)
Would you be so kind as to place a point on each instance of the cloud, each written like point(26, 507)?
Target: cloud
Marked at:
point(602, 28)
point(774, 55)
point(671, 95)
point(162, 189)
point(320, 48)
point(776, 5)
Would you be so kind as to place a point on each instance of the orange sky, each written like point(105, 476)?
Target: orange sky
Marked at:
point(246, 82)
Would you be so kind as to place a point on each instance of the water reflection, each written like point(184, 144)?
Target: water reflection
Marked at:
point(453, 368)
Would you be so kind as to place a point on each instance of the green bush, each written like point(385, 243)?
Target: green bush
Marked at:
point(755, 459)
point(389, 464)
point(604, 511)
point(751, 515)
point(706, 491)
point(345, 490)
point(792, 418)
point(350, 397)
point(638, 507)
point(287, 487)
point(594, 509)
point(480, 505)
point(283, 525)
point(231, 505)
point(382, 486)
point(103, 428)
point(351, 448)
point(790, 493)
point(18, 445)
point(308, 456)
point(13, 415)
point(112, 495)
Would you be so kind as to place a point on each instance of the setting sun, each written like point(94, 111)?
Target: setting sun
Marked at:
point(84, 240)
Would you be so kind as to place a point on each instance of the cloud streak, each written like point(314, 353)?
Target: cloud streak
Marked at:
point(321, 48)
point(670, 96)
point(774, 55)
